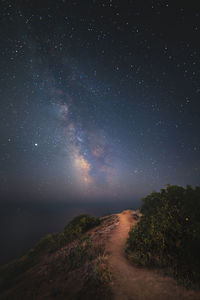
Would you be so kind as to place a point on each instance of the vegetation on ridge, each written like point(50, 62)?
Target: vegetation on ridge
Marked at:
point(74, 229)
point(168, 234)
point(64, 252)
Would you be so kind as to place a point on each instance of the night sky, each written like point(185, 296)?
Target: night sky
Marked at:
point(99, 99)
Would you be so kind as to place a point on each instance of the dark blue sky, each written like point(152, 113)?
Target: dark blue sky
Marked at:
point(99, 99)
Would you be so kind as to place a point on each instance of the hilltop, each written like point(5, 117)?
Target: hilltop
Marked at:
point(92, 264)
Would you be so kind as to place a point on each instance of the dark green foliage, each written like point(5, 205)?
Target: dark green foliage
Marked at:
point(168, 234)
point(78, 226)
point(74, 230)
point(83, 222)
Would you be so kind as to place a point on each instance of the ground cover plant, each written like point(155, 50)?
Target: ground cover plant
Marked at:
point(168, 234)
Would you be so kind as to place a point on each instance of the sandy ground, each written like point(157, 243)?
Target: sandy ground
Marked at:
point(132, 282)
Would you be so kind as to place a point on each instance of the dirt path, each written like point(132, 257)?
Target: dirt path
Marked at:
point(131, 282)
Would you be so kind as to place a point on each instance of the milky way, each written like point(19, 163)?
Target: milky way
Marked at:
point(88, 151)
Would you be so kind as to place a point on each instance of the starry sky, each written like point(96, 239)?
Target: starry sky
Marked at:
point(99, 99)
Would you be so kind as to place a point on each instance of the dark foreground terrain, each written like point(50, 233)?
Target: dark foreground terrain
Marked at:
point(115, 257)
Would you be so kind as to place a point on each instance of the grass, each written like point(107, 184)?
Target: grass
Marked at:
point(97, 283)
point(10, 273)
point(72, 264)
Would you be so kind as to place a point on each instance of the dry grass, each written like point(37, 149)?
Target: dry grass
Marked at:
point(78, 270)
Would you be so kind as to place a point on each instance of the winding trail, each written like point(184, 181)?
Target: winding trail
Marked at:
point(132, 282)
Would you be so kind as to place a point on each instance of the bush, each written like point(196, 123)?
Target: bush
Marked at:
point(168, 234)
point(72, 231)
point(81, 224)
point(76, 228)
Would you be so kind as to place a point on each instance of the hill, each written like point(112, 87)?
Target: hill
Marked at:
point(90, 259)
point(68, 265)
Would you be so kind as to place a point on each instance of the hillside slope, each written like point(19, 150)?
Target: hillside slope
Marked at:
point(93, 266)
point(69, 265)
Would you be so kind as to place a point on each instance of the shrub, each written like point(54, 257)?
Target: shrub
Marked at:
point(73, 230)
point(84, 222)
point(168, 234)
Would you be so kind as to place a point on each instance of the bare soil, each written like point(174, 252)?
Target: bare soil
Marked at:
point(133, 282)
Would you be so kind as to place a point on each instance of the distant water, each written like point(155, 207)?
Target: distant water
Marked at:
point(22, 225)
